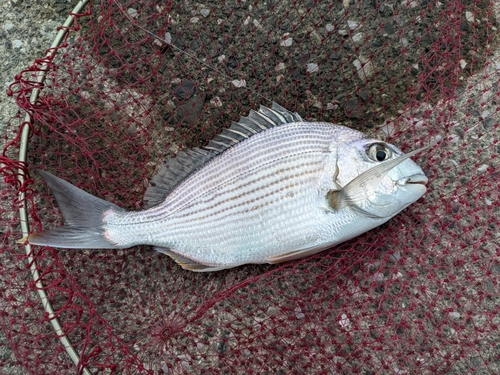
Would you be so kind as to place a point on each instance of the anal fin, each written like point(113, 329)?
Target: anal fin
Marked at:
point(189, 264)
point(296, 254)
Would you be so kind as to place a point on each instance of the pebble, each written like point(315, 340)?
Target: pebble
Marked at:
point(389, 28)
point(286, 42)
point(190, 111)
point(239, 83)
point(344, 321)
point(364, 67)
point(132, 12)
point(216, 102)
point(312, 68)
point(298, 313)
point(185, 90)
point(280, 66)
point(352, 24)
point(482, 168)
point(358, 38)
point(485, 96)
point(353, 109)
point(8, 26)
point(205, 12)
point(329, 27)
point(16, 43)
point(168, 38)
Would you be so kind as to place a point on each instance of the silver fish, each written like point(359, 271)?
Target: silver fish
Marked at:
point(269, 189)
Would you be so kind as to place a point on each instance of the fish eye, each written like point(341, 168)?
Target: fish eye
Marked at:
point(379, 152)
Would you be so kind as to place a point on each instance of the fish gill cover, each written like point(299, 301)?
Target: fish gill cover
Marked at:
point(418, 295)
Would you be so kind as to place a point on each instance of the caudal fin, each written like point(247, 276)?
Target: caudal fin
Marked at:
point(83, 214)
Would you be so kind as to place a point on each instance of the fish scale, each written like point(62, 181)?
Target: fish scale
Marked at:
point(283, 158)
point(249, 156)
point(270, 188)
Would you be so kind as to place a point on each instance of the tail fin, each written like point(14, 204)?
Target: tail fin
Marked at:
point(82, 212)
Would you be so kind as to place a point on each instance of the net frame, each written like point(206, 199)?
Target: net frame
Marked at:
point(21, 176)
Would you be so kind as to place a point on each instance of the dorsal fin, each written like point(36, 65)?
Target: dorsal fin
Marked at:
point(256, 122)
point(173, 172)
point(176, 170)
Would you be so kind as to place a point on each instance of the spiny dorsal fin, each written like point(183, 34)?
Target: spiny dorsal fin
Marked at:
point(256, 122)
point(187, 162)
point(173, 172)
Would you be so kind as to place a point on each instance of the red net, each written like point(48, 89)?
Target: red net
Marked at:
point(418, 295)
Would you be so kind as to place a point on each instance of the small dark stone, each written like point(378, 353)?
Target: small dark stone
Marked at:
point(363, 95)
point(297, 74)
point(221, 347)
point(185, 90)
point(369, 124)
point(335, 56)
point(340, 96)
point(488, 123)
point(353, 109)
point(195, 45)
point(271, 4)
point(303, 58)
point(464, 26)
point(389, 28)
point(286, 26)
point(218, 48)
point(377, 43)
point(179, 43)
point(190, 112)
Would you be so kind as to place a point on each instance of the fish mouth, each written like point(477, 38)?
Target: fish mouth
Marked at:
point(419, 179)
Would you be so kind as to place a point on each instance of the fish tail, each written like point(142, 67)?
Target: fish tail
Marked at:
point(84, 215)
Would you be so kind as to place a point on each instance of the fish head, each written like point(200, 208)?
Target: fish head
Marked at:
point(377, 178)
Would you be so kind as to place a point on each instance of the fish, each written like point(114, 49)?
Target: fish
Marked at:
point(270, 188)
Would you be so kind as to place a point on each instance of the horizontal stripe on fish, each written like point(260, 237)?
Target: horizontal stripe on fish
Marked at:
point(252, 154)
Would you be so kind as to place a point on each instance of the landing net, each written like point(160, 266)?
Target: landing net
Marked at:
point(134, 82)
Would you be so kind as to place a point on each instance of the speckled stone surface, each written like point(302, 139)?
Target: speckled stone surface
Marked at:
point(27, 29)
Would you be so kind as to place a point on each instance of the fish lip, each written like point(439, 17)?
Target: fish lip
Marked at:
point(414, 179)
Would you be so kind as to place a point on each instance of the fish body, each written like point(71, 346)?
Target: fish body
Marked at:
point(271, 188)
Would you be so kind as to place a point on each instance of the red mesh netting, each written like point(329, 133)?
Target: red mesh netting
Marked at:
point(418, 295)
